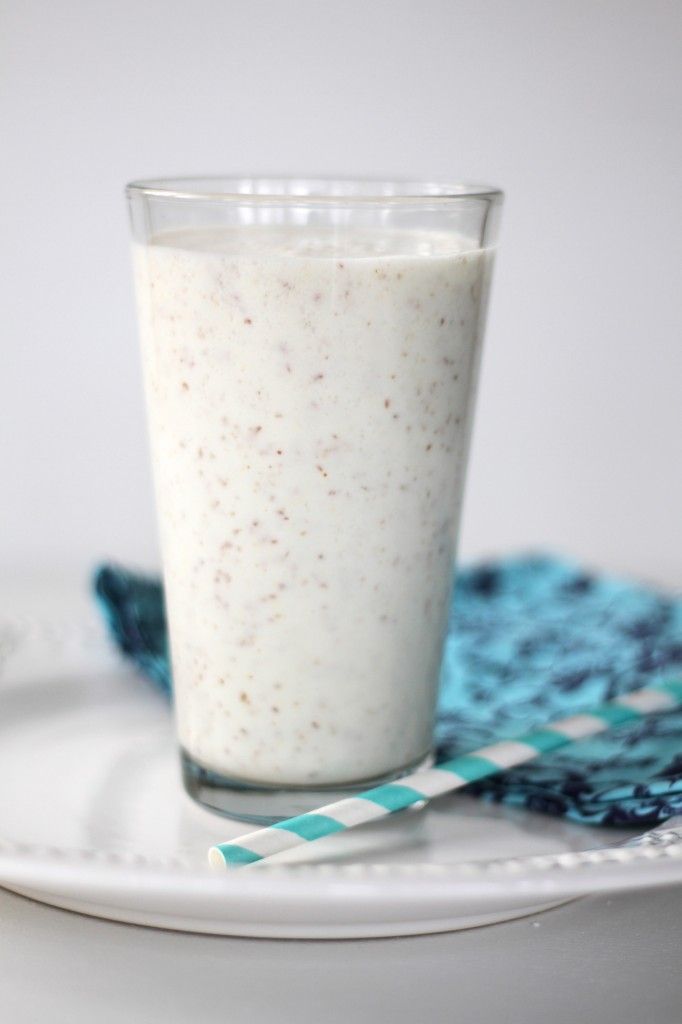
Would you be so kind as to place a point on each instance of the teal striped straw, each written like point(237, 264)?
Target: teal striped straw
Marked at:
point(450, 775)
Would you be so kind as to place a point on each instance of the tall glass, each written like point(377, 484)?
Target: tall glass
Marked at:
point(310, 353)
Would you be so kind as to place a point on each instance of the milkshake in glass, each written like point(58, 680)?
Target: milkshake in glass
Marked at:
point(310, 352)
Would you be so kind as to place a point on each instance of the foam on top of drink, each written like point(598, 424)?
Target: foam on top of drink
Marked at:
point(265, 241)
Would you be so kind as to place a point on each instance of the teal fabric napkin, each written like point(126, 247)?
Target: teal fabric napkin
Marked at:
point(530, 639)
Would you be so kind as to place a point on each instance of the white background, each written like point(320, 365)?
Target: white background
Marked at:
point(574, 107)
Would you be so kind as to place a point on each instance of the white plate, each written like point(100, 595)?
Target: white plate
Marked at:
point(93, 818)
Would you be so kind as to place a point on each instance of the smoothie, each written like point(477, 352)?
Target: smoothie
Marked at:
point(310, 398)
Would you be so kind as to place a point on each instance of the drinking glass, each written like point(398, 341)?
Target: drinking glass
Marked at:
point(310, 353)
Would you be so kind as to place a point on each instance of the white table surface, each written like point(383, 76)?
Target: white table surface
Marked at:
point(599, 960)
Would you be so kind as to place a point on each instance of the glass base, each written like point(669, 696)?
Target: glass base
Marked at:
point(265, 805)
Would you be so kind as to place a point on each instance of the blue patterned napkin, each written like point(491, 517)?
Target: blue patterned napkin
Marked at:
point(530, 639)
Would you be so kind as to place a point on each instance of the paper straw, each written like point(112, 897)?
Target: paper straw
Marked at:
point(450, 775)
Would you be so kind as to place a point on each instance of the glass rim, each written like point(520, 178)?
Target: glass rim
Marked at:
point(322, 191)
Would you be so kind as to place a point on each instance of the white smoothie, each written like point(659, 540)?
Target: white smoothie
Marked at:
point(309, 401)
